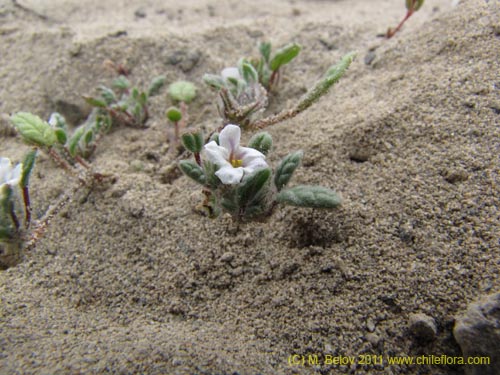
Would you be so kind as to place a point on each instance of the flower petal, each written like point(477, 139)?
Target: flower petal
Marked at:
point(229, 138)
point(15, 175)
point(5, 167)
point(216, 154)
point(247, 154)
point(229, 175)
point(231, 72)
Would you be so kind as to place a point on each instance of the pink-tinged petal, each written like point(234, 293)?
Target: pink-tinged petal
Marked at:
point(229, 137)
point(216, 154)
point(230, 175)
point(256, 164)
point(247, 154)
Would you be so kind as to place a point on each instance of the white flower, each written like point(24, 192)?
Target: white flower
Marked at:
point(231, 72)
point(8, 175)
point(233, 160)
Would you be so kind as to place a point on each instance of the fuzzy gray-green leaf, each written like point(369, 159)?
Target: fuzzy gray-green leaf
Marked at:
point(94, 102)
point(182, 91)
point(265, 50)
point(214, 81)
point(28, 163)
point(193, 141)
point(309, 196)
point(284, 55)
point(287, 167)
point(249, 190)
point(192, 170)
point(248, 72)
point(156, 85)
point(321, 87)
point(261, 142)
point(75, 140)
point(33, 129)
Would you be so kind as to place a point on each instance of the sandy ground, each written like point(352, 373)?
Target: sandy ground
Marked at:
point(130, 279)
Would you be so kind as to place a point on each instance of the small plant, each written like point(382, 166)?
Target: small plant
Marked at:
point(15, 211)
point(238, 180)
point(269, 65)
point(52, 138)
point(411, 7)
point(181, 93)
point(124, 103)
point(242, 97)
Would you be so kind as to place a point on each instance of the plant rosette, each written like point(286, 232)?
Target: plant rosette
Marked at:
point(239, 181)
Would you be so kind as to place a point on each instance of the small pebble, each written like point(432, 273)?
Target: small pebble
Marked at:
point(423, 327)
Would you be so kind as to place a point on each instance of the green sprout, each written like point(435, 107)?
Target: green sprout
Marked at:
point(124, 103)
point(181, 93)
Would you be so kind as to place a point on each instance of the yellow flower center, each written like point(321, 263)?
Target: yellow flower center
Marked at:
point(236, 163)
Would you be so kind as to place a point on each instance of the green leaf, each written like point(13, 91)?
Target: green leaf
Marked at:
point(174, 114)
point(121, 83)
point(265, 51)
point(107, 94)
point(321, 87)
point(135, 94)
point(415, 4)
point(192, 170)
point(28, 163)
point(284, 56)
point(287, 167)
point(156, 85)
point(261, 142)
point(75, 140)
point(88, 137)
point(33, 129)
point(248, 72)
point(182, 91)
point(212, 181)
point(309, 196)
point(251, 188)
point(214, 81)
point(193, 141)
point(95, 102)
point(61, 135)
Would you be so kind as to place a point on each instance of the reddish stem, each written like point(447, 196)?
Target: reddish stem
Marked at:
point(197, 158)
point(27, 205)
point(391, 32)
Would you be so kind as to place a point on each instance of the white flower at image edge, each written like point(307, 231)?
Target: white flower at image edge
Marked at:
point(233, 160)
point(8, 175)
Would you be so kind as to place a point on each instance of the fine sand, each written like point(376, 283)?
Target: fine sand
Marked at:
point(131, 278)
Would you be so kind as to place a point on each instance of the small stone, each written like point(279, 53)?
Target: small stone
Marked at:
point(423, 327)
point(373, 339)
point(186, 60)
point(140, 13)
point(227, 257)
point(370, 326)
point(477, 332)
point(369, 57)
point(455, 175)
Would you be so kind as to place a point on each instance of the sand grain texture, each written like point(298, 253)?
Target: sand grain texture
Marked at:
point(130, 279)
